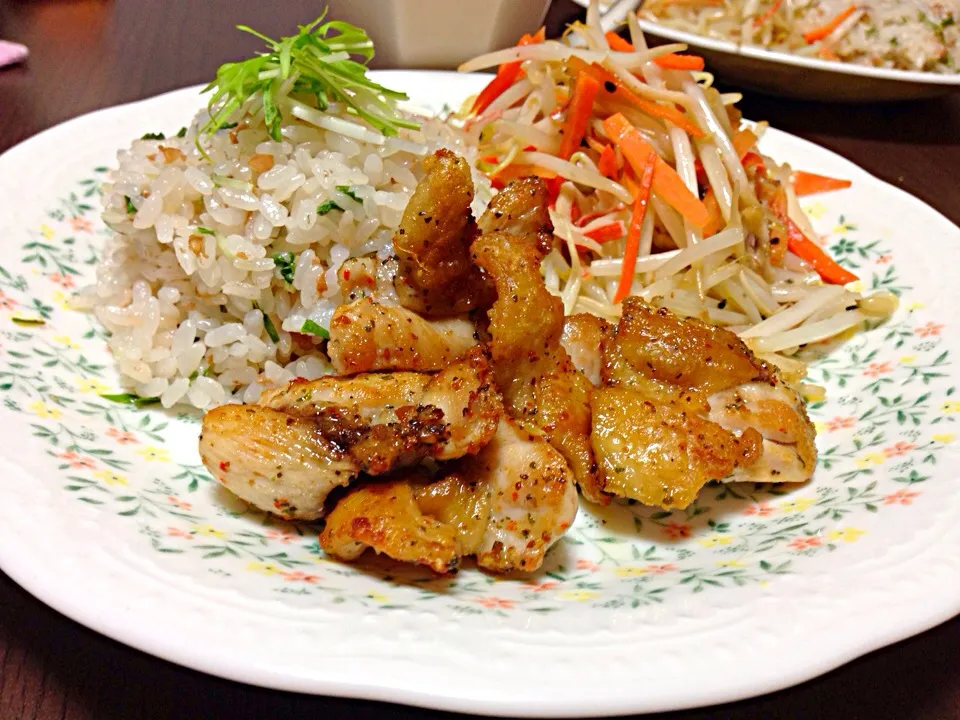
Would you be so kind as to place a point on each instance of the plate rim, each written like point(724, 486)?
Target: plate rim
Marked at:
point(917, 77)
point(44, 588)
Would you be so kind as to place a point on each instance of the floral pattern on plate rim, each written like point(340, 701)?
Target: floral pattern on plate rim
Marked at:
point(888, 415)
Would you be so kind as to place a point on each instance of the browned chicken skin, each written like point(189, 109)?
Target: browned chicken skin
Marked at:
point(506, 506)
point(684, 403)
point(435, 274)
point(540, 383)
point(307, 438)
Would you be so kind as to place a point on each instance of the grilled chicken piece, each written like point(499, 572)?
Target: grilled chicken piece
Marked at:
point(274, 461)
point(538, 379)
point(521, 208)
point(367, 336)
point(582, 337)
point(287, 453)
point(685, 403)
point(435, 275)
point(384, 515)
point(506, 506)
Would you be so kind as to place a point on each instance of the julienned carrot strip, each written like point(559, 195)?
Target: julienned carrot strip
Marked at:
point(743, 141)
point(632, 245)
point(805, 183)
point(715, 223)
point(752, 158)
point(771, 11)
point(617, 43)
point(507, 75)
point(574, 213)
point(606, 232)
point(607, 164)
point(819, 33)
point(826, 267)
point(666, 182)
point(673, 61)
point(615, 89)
point(578, 114)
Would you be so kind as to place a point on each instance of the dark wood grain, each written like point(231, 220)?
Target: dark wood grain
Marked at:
point(89, 54)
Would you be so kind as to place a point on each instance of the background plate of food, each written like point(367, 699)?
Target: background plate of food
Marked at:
point(112, 516)
point(830, 51)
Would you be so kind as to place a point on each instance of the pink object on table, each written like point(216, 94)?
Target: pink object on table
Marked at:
point(11, 53)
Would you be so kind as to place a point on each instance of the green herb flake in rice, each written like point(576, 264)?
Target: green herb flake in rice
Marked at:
point(217, 261)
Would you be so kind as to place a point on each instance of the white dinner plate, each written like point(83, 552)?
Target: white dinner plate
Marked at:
point(784, 74)
point(109, 517)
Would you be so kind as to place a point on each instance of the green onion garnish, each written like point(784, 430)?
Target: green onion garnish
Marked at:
point(325, 207)
point(350, 193)
point(182, 132)
point(312, 328)
point(131, 399)
point(270, 328)
point(314, 63)
point(205, 230)
point(153, 136)
point(286, 265)
point(131, 208)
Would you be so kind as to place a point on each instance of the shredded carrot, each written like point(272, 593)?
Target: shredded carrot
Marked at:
point(589, 217)
point(578, 114)
point(632, 245)
point(827, 54)
point(618, 43)
point(616, 90)
point(771, 11)
point(507, 75)
point(715, 223)
point(520, 170)
point(666, 182)
point(607, 164)
point(606, 232)
point(752, 158)
point(805, 183)
point(804, 248)
point(673, 61)
point(819, 33)
point(574, 213)
point(743, 141)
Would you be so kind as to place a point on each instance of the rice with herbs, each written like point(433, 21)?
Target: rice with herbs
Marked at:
point(218, 263)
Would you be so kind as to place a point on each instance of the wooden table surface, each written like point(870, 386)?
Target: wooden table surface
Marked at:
point(89, 54)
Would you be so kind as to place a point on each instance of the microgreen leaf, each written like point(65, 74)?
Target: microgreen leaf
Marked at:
point(316, 62)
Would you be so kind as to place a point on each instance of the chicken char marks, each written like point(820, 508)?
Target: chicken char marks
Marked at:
point(285, 454)
point(435, 275)
point(506, 506)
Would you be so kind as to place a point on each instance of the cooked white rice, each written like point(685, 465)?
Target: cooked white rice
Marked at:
point(185, 280)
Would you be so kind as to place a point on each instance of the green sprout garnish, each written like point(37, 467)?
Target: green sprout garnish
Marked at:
point(316, 64)
point(131, 399)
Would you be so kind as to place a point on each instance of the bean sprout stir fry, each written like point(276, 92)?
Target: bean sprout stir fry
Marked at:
point(659, 190)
